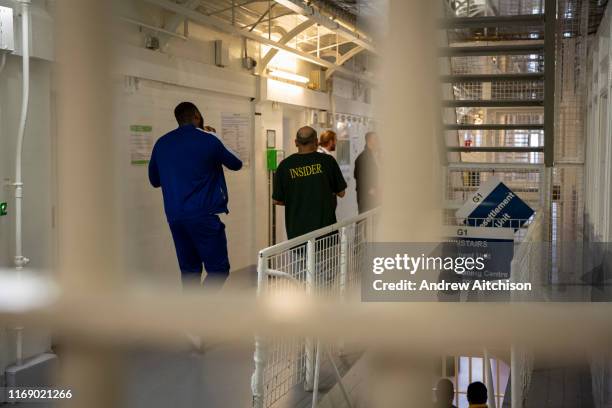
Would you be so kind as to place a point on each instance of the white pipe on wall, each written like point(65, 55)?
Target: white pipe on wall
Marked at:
point(20, 260)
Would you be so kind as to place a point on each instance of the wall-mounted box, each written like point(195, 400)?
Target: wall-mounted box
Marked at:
point(7, 34)
point(221, 54)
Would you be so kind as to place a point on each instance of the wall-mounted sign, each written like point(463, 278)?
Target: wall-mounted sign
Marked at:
point(270, 138)
point(236, 134)
point(494, 245)
point(273, 158)
point(3, 209)
point(141, 144)
point(495, 205)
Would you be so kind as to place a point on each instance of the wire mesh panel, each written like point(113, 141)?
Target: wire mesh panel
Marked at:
point(285, 359)
point(284, 369)
point(356, 255)
point(326, 264)
point(462, 182)
point(498, 90)
point(498, 64)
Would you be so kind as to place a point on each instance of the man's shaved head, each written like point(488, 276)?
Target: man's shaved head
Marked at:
point(306, 135)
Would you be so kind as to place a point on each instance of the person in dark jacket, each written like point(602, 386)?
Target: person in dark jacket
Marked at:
point(366, 174)
point(187, 163)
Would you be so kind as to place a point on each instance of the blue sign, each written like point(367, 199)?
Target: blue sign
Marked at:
point(495, 205)
point(494, 245)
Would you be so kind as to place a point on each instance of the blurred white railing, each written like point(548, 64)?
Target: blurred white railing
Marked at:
point(528, 265)
point(325, 262)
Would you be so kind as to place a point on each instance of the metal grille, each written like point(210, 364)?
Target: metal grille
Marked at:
point(491, 32)
point(325, 263)
point(567, 221)
point(498, 64)
point(525, 182)
point(520, 7)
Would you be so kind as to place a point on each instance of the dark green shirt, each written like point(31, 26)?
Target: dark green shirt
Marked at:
point(307, 184)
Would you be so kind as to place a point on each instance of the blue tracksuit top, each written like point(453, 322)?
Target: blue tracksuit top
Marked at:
point(187, 164)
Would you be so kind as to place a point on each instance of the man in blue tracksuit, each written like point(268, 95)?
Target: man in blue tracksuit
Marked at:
point(187, 163)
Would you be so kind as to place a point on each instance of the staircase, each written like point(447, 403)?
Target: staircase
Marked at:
point(498, 82)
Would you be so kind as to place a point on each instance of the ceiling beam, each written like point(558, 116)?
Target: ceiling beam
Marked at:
point(284, 40)
point(343, 58)
point(176, 20)
point(312, 13)
point(228, 28)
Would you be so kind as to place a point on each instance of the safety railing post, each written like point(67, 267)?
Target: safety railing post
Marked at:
point(489, 383)
point(343, 262)
point(315, 390)
point(344, 258)
point(369, 235)
point(257, 381)
point(345, 393)
point(310, 291)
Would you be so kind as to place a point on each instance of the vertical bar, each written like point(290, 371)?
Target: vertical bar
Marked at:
point(310, 290)
point(315, 390)
point(343, 262)
point(337, 47)
point(259, 357)
point(319, 43)
point(516, 395)
point(339, 379)
point(310, 267)
point(369, 225)
point(550, 19)
point(233, 12)
point(343, 273)
point(488, 376)
point(269, 20)
point(87, 239)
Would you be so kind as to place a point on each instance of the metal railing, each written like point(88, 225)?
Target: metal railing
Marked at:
point(325, 262)
point(528, 262)
point(528, 265)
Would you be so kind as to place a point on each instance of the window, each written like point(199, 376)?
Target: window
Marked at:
point(469, 369)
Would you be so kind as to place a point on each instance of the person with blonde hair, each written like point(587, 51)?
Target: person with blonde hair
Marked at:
point(327, 142)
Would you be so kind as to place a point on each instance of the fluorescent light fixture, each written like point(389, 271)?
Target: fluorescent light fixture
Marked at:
point(275, 73)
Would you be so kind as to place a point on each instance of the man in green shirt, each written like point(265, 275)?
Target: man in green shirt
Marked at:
point(306, 183)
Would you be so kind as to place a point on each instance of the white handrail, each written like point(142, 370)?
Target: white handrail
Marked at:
point(299, 258)
point(302, 239)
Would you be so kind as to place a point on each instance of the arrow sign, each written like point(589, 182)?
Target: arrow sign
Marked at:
point(495, 205)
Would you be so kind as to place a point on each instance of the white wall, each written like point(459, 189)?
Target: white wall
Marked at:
point(182, 70)
point(148, 247)
point(598, 163)
point(38, 231)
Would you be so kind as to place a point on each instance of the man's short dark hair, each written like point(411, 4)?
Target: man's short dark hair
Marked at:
point(306, 135)
point(185, 113)
point(477, 393)
point(445, 390)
